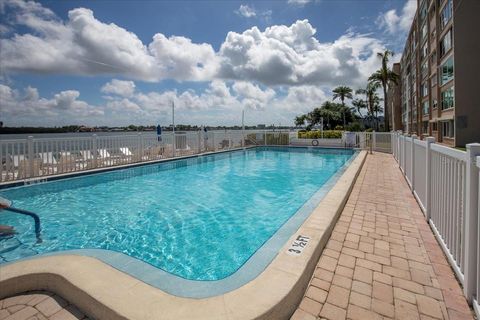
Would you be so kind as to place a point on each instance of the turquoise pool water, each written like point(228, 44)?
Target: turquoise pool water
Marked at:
point(200, 218)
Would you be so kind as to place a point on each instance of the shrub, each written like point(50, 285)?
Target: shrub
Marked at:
point(338, 127)
point(316, 134)
point(355, 127)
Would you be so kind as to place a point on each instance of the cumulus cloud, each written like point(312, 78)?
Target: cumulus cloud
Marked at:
point(28, 108)
point(278, 55)
point(298, 2)
point(394, 21)
point(83, 45)
point(119, 87)
point(291, 55)
point(246, 11)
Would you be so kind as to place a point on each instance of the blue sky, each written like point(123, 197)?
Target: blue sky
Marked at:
point(122, 62)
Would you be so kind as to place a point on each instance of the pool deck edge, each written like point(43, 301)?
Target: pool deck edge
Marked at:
point(104, 292)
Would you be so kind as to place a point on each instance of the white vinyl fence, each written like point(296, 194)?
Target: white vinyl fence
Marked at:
point(445, 182)
point(40, 157)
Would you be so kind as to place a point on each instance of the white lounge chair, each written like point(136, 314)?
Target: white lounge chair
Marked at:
point(48, 161)
point(24, 169)
point(67, 163)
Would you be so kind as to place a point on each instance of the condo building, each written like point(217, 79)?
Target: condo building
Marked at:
point(438, 91)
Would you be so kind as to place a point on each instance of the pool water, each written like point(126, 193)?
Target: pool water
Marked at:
point(200, 218)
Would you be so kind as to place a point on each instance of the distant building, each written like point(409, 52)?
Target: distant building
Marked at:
point(261, 126)
point(439, 73)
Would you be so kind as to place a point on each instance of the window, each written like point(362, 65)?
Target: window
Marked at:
point(446, 71)
point(424, 89)
point(448, 99)
point(446, 43)
point(448, 129)
point(423, 11)
point(424, 52)
point(424, 32)
point(434, 126)
point(446, 14)
point(424, 69)
point(425, 108)
point(425, 127)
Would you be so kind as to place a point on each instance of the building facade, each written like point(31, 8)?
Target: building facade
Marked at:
point(439, 90)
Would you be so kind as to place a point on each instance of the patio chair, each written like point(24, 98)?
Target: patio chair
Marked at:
point(49, 162)
point(66, 163)
point(24, 169)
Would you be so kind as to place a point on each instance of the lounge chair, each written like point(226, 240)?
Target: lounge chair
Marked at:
point(67, 163)
point(48, 161)
point(24, 169)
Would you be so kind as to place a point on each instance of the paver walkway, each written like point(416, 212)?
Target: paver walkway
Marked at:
point(39, 305)
point(382, 260)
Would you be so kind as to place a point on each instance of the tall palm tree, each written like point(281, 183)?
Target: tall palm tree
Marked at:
point(359, 104)
point(383, 77)
point(343, 92)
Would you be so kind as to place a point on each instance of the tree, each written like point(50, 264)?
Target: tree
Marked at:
point(359, 104)
point(343, 92)
point(300, 120)
point(383, 77)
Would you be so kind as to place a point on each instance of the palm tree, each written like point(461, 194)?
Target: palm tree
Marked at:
point(359, 104)
point(342, 92)
point(300, 120)
point(383, 77)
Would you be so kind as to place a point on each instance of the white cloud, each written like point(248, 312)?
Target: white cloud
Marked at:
point(246, 11)
point(298, 2)
point(28, 108)
point(291, 55)
point(394, 22)
point(119, 87)
point(274, 73)
point(84, 45)
point(220, 103)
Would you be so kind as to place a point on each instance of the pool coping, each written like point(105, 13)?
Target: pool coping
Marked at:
point(107, 293)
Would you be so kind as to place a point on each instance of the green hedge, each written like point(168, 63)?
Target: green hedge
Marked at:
point(316, 134)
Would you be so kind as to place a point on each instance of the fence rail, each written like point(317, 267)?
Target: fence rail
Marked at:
point(445, 182)
point(40, 157)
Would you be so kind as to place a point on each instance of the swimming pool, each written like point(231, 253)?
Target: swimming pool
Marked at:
point(201, 218)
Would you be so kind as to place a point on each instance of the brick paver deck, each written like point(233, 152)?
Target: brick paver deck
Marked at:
point(38, 305)
point(382, 260)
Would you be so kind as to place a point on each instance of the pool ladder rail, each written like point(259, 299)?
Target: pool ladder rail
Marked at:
point(6, 204)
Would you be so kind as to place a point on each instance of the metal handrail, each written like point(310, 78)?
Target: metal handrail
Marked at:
point(35, 217)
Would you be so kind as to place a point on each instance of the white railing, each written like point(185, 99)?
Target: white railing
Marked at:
point(445, 182)
point(36, 158)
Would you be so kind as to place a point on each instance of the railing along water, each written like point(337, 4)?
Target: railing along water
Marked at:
point(36, 158)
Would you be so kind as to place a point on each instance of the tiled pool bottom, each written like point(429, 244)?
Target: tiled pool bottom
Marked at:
point(182, 286)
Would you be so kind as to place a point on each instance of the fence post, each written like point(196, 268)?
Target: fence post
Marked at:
point(31, 157)
point(264, 137)
point(140, 146)
point(199, 141)
point(471, 221)
point(94, 150)
point(374, 140)
point(428, 173)
point(412, 162)
point(174, 144)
